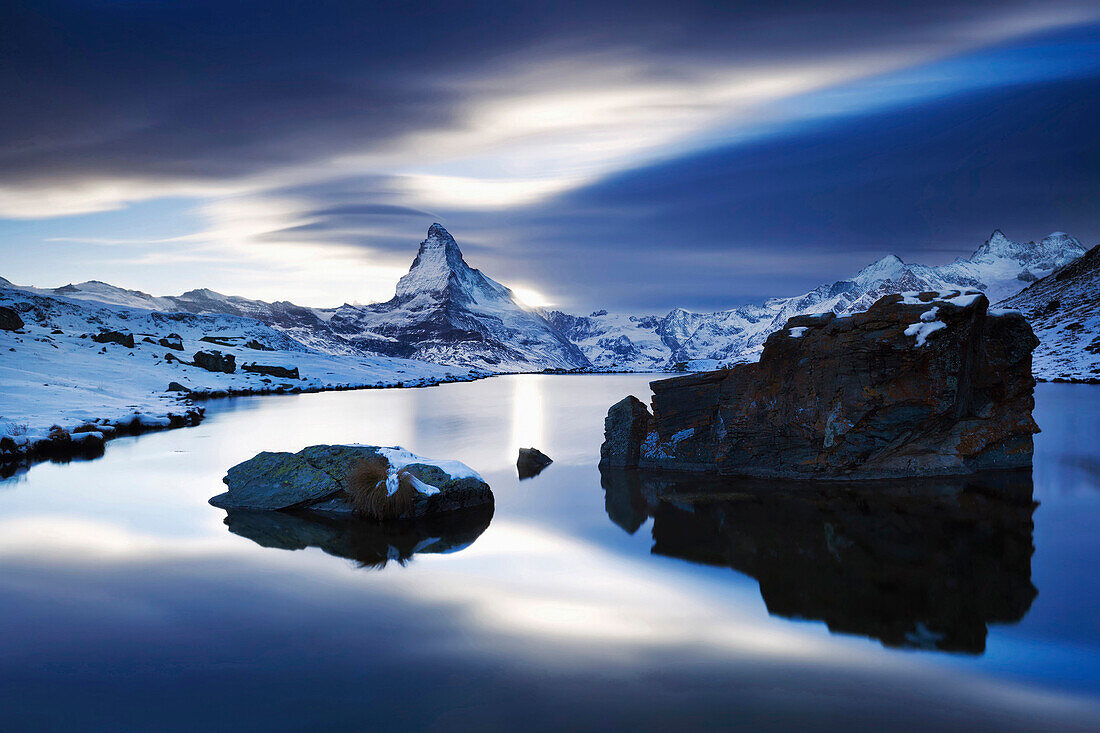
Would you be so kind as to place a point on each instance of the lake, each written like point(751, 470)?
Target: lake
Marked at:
point(587, 602)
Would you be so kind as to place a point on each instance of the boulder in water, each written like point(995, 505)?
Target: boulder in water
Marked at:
point(531, 461)
point(369, 481)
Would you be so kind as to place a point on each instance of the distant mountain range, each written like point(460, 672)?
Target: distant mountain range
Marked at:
point(1064, 310)
point(1000, 267)
point(446, 312)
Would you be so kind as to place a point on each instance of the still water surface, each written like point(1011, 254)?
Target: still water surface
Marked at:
point(126, 603)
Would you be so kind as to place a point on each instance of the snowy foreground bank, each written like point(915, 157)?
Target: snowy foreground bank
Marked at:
point(64, 394)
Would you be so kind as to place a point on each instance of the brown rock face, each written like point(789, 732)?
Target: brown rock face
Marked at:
point(928, 384)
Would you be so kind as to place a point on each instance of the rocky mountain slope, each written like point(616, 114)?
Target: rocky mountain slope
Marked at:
point(443, 311)
point(1064, 311)
point(999, 268)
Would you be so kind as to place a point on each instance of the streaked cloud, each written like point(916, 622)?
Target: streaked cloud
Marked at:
point(316, 149)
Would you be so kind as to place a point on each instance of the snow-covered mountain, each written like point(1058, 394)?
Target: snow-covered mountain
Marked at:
point(443, 311)
point(55, 369)
point(1064, 310)
point(999, 267)
point(446, 312)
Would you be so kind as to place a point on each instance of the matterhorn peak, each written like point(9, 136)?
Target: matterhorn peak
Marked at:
point(437, 261)
point(440, 270)
point(439, 242)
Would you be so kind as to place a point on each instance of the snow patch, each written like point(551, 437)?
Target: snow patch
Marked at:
point(400, 457)
point(797, 331)
point(683, 435)
point(923, 330)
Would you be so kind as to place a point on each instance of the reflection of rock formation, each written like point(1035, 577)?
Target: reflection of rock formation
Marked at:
point(370, 544)
point(914, 564)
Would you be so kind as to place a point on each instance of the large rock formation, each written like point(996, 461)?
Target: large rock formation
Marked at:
point(363, 480)
point(920, 384)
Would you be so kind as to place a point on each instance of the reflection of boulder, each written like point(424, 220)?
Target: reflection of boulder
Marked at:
point(914, 564)
point(370, 544)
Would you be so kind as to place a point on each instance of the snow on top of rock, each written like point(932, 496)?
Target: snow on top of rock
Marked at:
point(930, 315)
point(923, 329)
point(960, 298)
point(400, 457)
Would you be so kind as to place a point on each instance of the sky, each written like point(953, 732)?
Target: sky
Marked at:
point(632, 156)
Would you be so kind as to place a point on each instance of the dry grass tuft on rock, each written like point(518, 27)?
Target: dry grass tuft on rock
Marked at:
point(366, 489)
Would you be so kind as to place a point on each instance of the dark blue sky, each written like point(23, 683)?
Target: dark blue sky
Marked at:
point(638, 156)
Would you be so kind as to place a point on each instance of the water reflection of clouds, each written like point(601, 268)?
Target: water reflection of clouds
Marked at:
point(149, 607)
point(519, 580)
point(550, 587)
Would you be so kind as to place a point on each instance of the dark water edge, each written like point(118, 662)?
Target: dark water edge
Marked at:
point(585, 602)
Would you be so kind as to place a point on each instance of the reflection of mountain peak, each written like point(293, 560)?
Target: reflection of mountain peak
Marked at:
point(925, 565)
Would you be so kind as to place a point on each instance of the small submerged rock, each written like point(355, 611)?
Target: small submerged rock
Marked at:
point(353, 480)
point(531, 462)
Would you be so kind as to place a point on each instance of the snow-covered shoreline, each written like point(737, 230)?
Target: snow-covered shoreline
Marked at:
point(58, 439)
point(64, 394)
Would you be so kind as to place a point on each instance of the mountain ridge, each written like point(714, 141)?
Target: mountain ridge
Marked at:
point(1064, 311)
point(999, 266)
point(447, 312)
